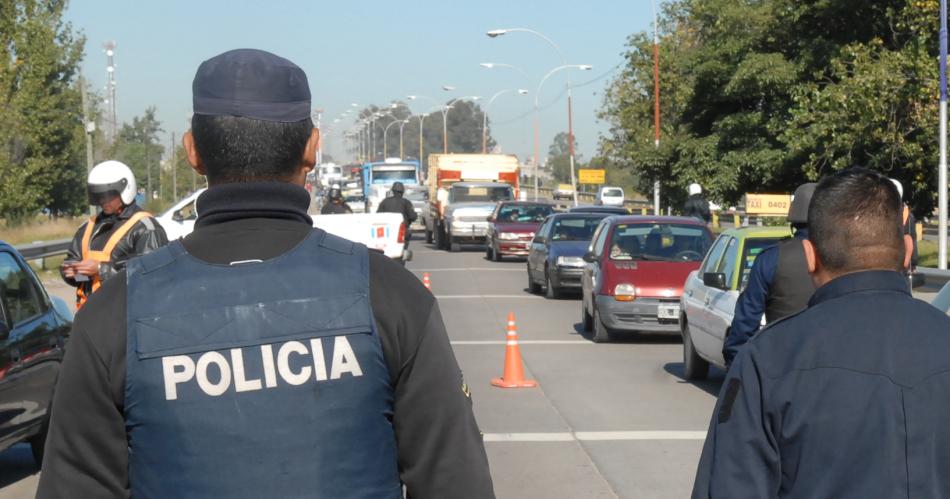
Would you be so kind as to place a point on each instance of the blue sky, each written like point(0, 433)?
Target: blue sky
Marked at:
point(370, 52)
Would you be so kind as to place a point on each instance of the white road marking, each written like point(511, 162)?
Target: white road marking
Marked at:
point(595, 436)
point(472, 269)
point(504, 297)
point(521, 342)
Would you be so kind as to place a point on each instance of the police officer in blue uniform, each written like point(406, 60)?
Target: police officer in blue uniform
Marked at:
point(779, 284)
point(260, 357)
point(849, 398)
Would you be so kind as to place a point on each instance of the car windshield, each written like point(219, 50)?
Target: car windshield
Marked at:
point(612, 193)
point(417, 195)
point(467, 194)
point(388, 176)
point(532, 213)
point(661, 242)
point(574, 229)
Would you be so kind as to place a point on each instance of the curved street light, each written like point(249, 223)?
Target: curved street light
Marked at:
point(485, 114)
point(386, 142)
point(570, 112)
point(445, 113)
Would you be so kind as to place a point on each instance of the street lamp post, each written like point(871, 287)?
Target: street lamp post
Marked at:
point(570, 125)
point(942, 174)
point(656, 102)
point(402, 150)
point(385, 138)
point(445, 126)
point(485, 114)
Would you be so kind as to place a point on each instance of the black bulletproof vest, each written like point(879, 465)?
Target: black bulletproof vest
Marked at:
point(792, 287)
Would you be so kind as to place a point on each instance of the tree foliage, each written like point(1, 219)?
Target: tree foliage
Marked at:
point(41, 126)
point(763, 95)
point(138, 146)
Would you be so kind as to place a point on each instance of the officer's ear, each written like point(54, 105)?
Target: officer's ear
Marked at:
point(811, 256)
point(908, 250)
point(188, 143)
point(309, 159)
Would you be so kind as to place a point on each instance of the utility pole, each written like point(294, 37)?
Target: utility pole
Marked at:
point(148, 172)
point(174, 171)
point(110, 71)
point(942, 181)
point(89, 127)
point(656, 104)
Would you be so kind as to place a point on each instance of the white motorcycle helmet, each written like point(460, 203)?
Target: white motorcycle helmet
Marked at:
point(695, 189)
point(111, 176)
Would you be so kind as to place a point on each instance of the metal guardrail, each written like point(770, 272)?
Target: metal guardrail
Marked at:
point(44, 249)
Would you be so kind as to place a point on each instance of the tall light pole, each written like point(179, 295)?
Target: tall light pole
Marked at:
point(110, 71)
point(402, 150)
point(485, 114)
point(570, 111)
point(445, 126)
point(656, 102)
point(385, 138)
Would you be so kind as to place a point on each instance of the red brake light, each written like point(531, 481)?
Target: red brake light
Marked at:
point(402, 233)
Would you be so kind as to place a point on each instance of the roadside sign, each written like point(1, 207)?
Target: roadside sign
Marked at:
point(589, 176)
point(768, 204)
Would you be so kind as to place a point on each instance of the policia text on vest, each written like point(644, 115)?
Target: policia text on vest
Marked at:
point(257, 368)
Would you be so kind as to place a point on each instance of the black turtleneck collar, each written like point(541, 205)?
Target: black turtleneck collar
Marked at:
point(235, 201)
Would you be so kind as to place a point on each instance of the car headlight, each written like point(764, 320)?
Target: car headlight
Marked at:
point(625, 292)
point(570, 261)
point(508, 236)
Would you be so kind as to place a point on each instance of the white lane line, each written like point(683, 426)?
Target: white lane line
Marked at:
point(595, 436)
point(522, 342)
point(472, 269)
point(505, 297)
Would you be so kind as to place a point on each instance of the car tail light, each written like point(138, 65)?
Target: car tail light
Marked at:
point(402, 233)
point(625, 292)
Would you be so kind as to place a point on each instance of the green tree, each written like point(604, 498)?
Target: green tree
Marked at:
point(138, 146)
point(559, 159)
point(41, 125)
point(761, 96)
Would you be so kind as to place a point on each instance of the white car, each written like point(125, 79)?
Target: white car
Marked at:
point(709, 296)
point(383, 232)
point(609, 196)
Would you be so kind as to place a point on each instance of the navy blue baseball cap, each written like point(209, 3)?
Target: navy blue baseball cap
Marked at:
point(252, 84)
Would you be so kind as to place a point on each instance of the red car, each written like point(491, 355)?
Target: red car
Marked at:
point(512, 226)
point(635, 271)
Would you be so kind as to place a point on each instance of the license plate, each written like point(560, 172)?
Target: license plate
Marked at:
point(668, 312)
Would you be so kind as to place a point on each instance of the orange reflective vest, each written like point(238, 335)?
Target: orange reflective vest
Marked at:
point(104, 255)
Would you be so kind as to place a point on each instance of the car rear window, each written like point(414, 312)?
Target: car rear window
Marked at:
point(662, 242)
point(524, 213)
point(574, 229)
point(613, 193)
point(461, 194)
point(749, 253)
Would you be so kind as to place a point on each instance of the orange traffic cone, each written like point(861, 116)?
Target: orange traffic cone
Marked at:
point(514, 372)
point(426, 282)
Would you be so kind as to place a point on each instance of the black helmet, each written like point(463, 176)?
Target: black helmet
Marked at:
point(336, 194)
point(798, 213)
point(398, 188)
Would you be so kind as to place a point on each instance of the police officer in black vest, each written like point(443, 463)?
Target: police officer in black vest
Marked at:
point(260, 357)
point(849, 398)
point(779, 284)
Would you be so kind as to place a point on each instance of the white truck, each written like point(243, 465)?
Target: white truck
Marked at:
point(383, 232)
point(460, 214)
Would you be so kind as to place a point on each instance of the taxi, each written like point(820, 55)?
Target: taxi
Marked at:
point(709, 297)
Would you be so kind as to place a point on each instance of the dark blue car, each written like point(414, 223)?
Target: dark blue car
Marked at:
point(556, 258)
point(33, 332)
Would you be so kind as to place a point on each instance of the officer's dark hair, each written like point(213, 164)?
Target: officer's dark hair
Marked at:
point(236, 149)
point(854, 222)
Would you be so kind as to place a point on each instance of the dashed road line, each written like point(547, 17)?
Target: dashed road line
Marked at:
point(503, 297)
point(521, 342)
point(595, 436)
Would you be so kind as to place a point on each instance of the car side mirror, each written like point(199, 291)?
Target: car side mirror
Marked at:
point(715, 280)
point(177, 216)
point(490, 219)
point(590, 257)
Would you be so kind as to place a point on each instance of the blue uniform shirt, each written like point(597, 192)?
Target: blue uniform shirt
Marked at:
point(847, 399)
point(750, 307)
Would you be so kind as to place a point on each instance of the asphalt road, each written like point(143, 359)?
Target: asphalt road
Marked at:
point(607, 420)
